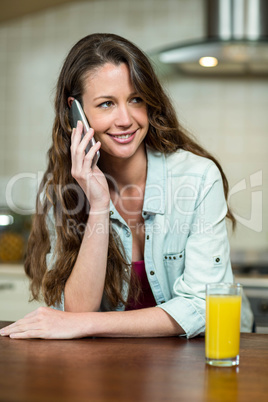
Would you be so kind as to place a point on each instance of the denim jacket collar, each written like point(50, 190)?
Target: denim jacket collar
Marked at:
point(155, 192)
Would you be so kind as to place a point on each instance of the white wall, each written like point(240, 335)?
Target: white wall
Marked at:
point(228, 116)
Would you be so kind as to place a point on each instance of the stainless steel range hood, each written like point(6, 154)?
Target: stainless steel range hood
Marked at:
point(236, 42)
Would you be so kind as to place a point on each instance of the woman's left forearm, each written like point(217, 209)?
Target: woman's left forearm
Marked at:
point(149, 322)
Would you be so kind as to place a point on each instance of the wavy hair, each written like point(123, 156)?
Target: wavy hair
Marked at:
point(60, 193)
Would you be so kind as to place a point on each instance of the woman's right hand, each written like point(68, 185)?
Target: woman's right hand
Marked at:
point(92, 181)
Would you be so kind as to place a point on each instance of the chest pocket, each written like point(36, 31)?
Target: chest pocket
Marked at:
point(174, 266)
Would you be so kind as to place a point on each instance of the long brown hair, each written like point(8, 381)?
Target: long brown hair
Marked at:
point(59, 191)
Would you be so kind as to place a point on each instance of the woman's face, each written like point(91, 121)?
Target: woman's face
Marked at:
point(115, 110)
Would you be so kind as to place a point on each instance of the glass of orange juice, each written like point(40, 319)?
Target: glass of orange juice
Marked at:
point(223, 312)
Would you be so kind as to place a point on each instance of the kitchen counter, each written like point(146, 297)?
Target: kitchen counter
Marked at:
point(252, 280)
point(12, 269)
point(129, 369)
point(14, 293)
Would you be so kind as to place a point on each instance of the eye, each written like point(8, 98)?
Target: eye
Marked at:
point(137, 99)
point(106, 104)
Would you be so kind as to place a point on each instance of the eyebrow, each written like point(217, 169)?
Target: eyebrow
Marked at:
point(104, 97)
point(113, 97)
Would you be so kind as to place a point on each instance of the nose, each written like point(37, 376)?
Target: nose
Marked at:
point(123, 116)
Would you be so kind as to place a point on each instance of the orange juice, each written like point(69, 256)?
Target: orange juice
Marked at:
point(222, 326)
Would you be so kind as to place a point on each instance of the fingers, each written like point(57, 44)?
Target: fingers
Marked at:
point(79, 144)
point(24, 332)
point(78, 147)
point(82, 162)
point(19, 327)
point(35, 326)
point(24, 327)
point(77, 134)
point(46, 323)
point(5, 331)
point(87, 165)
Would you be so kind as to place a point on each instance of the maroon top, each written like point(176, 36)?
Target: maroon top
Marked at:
point(146, 298)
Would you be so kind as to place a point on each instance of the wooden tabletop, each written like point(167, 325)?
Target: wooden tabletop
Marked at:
point(117, 369)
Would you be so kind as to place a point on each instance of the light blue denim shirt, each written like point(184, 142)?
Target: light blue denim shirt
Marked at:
point(186, 242)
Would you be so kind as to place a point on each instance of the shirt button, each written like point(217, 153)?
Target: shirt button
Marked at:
point(151, 272)
point(111, 213)
point(127, 233)
point(218, 259)
point(147, 237)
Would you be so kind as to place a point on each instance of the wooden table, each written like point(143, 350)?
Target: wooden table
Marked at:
point(149, 370)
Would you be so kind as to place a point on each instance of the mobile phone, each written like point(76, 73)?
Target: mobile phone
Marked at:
point(76, 114)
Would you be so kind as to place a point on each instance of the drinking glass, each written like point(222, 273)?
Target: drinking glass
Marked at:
point(223, 312)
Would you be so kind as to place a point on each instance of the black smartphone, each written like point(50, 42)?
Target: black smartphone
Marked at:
point(76, 114)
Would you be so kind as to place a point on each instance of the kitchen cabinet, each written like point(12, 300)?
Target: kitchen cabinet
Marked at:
point(14, 293)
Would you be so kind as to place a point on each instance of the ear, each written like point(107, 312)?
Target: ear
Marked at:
point(70, 101)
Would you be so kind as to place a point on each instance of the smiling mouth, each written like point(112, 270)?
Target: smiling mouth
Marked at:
point(124, 136)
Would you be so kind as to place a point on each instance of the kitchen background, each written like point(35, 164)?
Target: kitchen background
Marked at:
point(229, 116)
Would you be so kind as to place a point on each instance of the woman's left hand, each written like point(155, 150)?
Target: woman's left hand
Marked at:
point(46, 323)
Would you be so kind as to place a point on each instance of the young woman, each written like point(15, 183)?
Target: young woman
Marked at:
point(124, 248)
